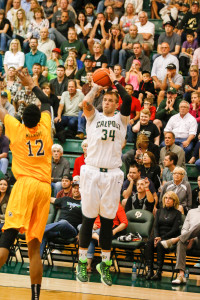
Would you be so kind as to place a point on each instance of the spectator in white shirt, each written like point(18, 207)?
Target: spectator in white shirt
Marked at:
point(159, 70)
point(45, 44)
point(14, 57)
point(184, 127)
point(196, 58)
point(138, 4)
point(11, 14)
point(147, 29)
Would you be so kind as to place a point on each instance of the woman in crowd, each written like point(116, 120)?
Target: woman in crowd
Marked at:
point(100, 60)
point(156, 6)
point(20, 29)
point(110, 15)
point(30, 14)
point(70, 67)
point(128, 19)
point(79, 161)
point(192, 83)
point(14, 57)
point(150, 168)
point(89, 12)
point(83, 28)
point(4, 197)
point(53, 99)
point(12, 84)
point(49, 7)
point(53, 63)
point(167, 225)
point(5, 31)
point(37, 23)
point(134, 75)
point(113, 45)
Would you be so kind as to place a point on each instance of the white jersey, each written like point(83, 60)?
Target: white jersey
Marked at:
point(105, 137)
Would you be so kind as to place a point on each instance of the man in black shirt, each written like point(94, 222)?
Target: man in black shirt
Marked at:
point(70, 217)
point(61, 82)
point(146, 127)
point(143, 199)
point(190, 20)
point(60, 32)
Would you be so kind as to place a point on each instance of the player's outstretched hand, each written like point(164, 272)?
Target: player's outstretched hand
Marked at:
point(26, 78)
point(112, 75)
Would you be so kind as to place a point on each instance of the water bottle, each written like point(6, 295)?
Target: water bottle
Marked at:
point(134, 272)
point(187, 273)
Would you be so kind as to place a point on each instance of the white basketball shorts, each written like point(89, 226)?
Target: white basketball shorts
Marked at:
point(100, 191)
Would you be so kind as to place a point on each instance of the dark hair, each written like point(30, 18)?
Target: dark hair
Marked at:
point(152, 157)
point(37, 64)
point(61, 67)
point(135, 166)
point(82, 13)
point(50, 85)
point(130, 85)
point(172, 156)
point(170, 133)
point(31, 116)
point(68, 177)
point(117, 65)
point(34, 38)
point(8, 191)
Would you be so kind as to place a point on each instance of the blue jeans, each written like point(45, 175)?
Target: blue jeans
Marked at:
point(71, 122)
point(2, 4)
point(123, 56)
point(81, 122)
point(56, 36)
point(112, 56)
point(197, 164)
point(61, 229)
point(3, 165)
point(57, 187)
point(92, 245)
point(4, 38)
point(100, 7)
point(130, 134)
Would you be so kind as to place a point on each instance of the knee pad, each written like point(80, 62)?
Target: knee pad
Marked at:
point(86, 232)
point(105, 237)
point(8, 237)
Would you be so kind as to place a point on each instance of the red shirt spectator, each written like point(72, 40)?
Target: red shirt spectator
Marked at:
point(135, 106)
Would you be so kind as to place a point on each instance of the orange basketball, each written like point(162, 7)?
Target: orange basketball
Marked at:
point(101, 77)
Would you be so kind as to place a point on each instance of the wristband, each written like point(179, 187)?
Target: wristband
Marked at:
point(147, 190)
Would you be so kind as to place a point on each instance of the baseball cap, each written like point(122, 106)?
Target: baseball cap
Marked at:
point(75, 183)
point(56, 50)
point(171, 66)
point(168, 23)
point(89, 57)
point(195, 3)
point(67, 177)
point(4, 94)
point(186, 5)
point(172, 90)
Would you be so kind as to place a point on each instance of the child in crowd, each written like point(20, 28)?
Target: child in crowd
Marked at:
point(187, 52)
point(119, 77)
point(134, 76)
point(146, 88)
point(148, 103)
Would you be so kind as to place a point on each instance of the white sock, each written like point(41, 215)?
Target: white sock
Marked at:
point(105, 256)
point(82, 254)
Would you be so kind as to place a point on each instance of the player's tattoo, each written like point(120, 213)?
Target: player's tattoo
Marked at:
point(89, 107)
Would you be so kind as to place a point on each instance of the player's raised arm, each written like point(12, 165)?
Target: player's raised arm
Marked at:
point(27, 80)
point(126, 98)
point(88, 107)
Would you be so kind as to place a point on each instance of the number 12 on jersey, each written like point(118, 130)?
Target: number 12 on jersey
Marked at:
point(108, 134)
point(40, 151)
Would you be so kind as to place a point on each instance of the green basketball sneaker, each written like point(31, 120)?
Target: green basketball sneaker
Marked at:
point(81, 271)
point(104, 270)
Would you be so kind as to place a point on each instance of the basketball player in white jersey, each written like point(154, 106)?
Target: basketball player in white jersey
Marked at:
point(101, 178)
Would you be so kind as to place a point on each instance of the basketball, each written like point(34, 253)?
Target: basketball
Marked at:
point(101, 77)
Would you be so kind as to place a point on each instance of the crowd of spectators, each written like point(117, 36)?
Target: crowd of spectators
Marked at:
point(62, 43)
